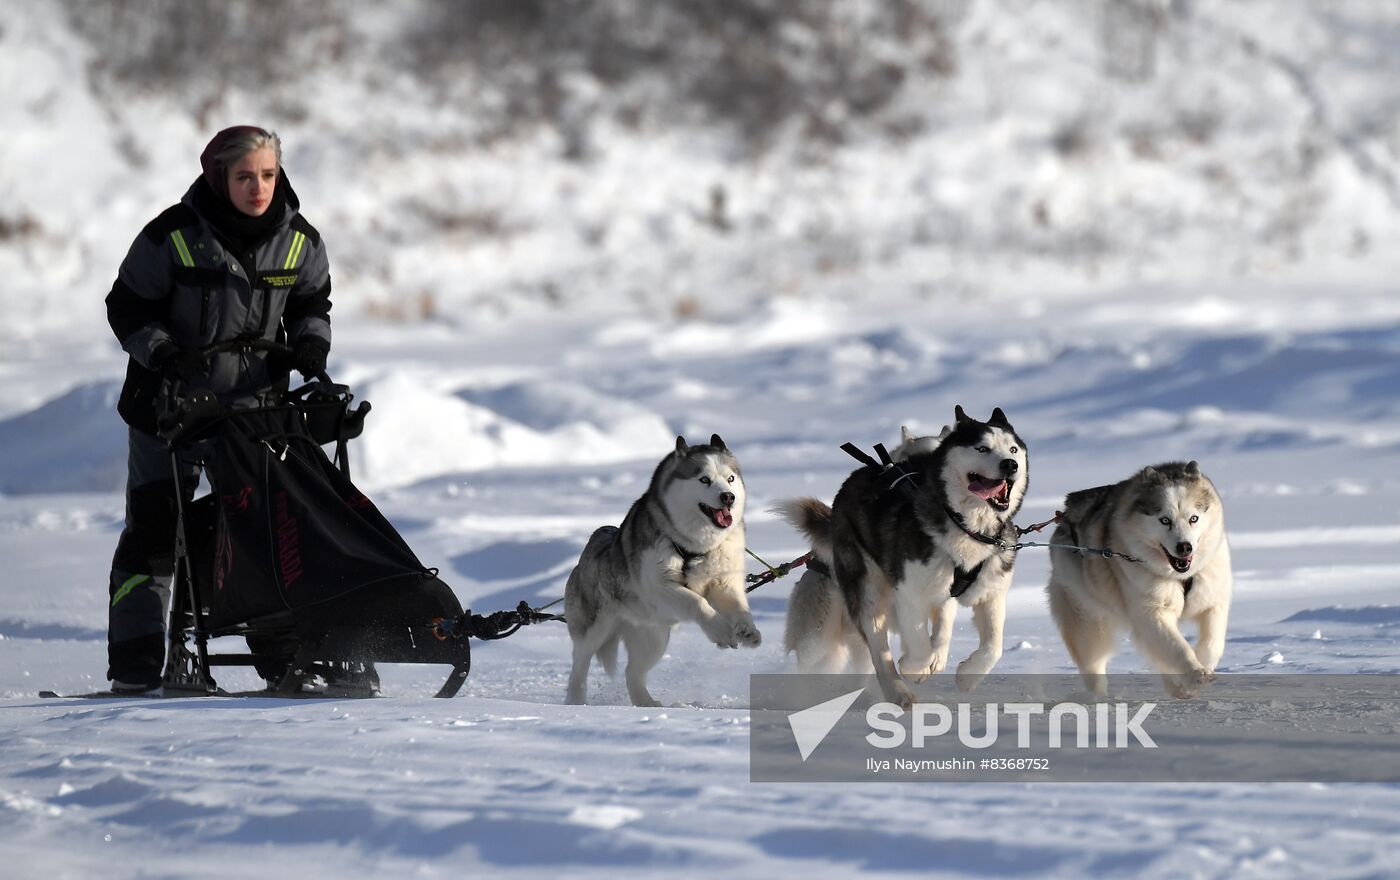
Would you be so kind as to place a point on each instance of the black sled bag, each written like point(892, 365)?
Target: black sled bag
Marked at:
point(284, 532)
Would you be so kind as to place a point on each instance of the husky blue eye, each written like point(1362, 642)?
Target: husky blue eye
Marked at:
point(1164, 521)
point(1195, 519)
point(731, 478)
point(705, 480)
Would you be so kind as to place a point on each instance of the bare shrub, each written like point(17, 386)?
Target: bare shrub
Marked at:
point(754, 65)
point(198, 49)
point(1073, 138)
point(18, 227)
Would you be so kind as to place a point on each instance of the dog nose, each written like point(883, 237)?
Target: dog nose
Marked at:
point(1009, 466)
point(1183, 548)
point(726, 498)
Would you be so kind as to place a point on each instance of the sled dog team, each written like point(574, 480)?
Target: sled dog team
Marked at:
point(897, 551)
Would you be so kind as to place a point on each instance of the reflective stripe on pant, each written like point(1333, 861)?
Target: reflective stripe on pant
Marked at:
point(138, 589)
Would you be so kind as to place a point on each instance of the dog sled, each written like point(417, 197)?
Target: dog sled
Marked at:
point(287, 554)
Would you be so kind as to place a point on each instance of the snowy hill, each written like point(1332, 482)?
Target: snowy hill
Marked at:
point(1147, 230)
point(471, 168)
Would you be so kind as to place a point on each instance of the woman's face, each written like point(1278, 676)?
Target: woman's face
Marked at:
point(251, 181)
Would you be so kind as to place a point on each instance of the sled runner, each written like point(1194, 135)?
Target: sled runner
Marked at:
point(287, 553)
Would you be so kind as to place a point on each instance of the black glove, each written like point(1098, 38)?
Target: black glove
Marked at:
point(179, 364)
point(309, 356)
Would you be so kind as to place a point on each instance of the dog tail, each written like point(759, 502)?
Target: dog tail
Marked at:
point(607, 654)
point(813, 519)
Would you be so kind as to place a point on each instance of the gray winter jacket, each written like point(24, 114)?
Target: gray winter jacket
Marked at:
point(180, 283)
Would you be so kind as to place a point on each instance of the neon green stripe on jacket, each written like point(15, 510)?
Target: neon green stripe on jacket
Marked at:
point(294, 252)
point(184, 251)
point(132, 581)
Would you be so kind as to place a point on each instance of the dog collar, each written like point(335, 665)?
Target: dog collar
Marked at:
point(687, 556)
point(976, 536)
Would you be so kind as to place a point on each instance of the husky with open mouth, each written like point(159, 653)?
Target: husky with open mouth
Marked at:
point(907, 545)
point(678, 556)
point(1169, 522)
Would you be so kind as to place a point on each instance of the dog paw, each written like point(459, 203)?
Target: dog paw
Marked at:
point(939, 662)
point(917, 669)
point(746, 634)
point(721, 632)
point(1186, 685)
point(970, 674)
point(901, 696)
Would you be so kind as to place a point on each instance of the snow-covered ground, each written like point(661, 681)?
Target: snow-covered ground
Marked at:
point(1287, 396)
point(1193, 262)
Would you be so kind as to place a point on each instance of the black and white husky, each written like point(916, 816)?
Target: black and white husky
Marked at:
point(905, 546)
point(678, 556)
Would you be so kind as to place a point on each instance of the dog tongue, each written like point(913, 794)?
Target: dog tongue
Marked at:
point(985, 489)
point(723, 518)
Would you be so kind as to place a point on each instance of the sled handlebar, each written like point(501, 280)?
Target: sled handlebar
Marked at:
point(245, 344)
point(186, 412)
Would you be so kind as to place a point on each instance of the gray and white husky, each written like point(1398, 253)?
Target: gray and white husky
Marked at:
point(1170, 520)
point(678, 556)
point(907, 557)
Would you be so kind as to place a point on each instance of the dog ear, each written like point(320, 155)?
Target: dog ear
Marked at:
point(1151, 475)
point(998, 418)
point(958, 414)
point(718, 442)
point(943, 434)
point(681, 449)
point(1193, 469)
point(904, 435)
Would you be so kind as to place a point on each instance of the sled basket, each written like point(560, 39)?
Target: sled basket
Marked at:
point(287, 552)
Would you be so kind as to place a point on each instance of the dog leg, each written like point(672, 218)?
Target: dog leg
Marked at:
point(645, 647)
point(858, 654)
point(877, 639)
point(817, 626)
point(817, 655)
point(680, 603)
point(988, 616)
point(1088, 638)
point(941, 621)
point(916, 650)
point(1162, 643)
point(856, 576)
point(1210, 644)
point(584, 648)
point(729, 602)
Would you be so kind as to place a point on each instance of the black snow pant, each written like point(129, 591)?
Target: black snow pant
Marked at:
point(139, 586)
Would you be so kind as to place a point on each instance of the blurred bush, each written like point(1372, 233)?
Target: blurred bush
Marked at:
point(756, 66)
point(197, 51)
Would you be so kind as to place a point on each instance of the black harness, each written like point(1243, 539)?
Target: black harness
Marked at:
point(687, 556)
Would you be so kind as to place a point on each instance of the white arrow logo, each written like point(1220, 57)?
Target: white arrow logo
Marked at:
point(810, 726)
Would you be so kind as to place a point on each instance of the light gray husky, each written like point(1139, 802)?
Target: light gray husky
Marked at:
point(905, 546)
point(678, 556)
point(1170, 520)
